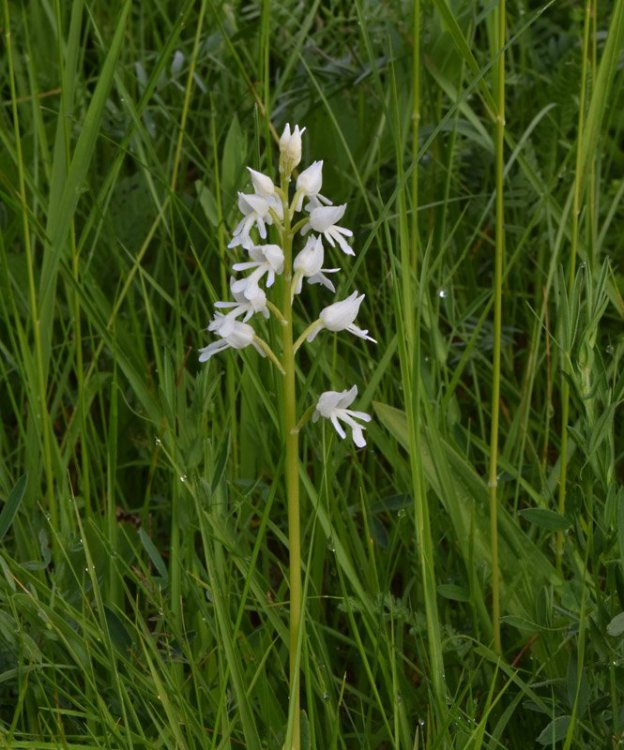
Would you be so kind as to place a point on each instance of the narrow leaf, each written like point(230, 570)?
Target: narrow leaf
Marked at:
point(12, 505)
point(154, 556)
point(616, 626)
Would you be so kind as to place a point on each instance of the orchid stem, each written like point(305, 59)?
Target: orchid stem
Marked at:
point(291, 439)
point(498, 306)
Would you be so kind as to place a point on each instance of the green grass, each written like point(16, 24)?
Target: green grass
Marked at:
point(144, 539)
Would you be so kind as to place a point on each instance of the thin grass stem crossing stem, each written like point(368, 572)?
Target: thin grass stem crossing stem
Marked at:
point(498, 306)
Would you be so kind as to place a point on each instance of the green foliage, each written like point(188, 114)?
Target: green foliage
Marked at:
point(143, 560)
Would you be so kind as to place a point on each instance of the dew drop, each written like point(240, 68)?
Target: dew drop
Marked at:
point(158, 441)
point(183, 478)
point(610, 349)
point(442, 293)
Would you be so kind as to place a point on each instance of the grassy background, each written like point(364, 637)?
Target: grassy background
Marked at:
point(143, 580)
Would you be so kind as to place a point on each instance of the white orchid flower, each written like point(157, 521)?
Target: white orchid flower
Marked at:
point(309, 185)
point(233, 333)
point(265, 260)
point(308, 264)
point(333, 405)
point(323, 219)
point(255, 302)
point(256, 211)
point(340, 317)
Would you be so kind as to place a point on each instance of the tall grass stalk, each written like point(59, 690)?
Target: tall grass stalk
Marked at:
point(177, 554)
point(501, 25)
point(37, 371)
point(580, 179)
point(412, 285)
point(291, 476)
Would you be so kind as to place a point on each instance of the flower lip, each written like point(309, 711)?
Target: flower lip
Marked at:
point(323, 220)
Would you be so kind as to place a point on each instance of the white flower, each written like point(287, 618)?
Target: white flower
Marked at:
point(290, 149)
point(233, 334)
point(256, 211)
point(265, 259)
point(255, 302)
point(333, 405)
point(340, 317)
point(308, 264)
point(309, 185)
point(323, 220)
point(263, 185)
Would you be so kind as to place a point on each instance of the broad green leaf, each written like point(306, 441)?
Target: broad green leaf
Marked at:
point(546, 519)
point(118, 633)
point(453, 592)
point(154, 556)
point(233, 161)
point(208, 203)
point(555, 731)
point(616, 626)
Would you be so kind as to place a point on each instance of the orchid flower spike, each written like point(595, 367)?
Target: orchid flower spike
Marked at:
point(323, 219)
point(308, 263)
point(290, 149)
point(233, 333)
point(333, 405)
point(255, 302)
point(265, 260)
point(309, 185)
point(340, 317)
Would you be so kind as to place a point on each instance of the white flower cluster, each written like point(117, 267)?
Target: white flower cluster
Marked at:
point(269, 205)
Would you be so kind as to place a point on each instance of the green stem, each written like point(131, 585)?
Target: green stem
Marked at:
point(409, 304)
point(412, 368)
point(312, 327)
point(291, 439)
point(498, 304)
point(38, 385)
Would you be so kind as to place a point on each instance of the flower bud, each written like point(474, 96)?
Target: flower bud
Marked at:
point(290, 149)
